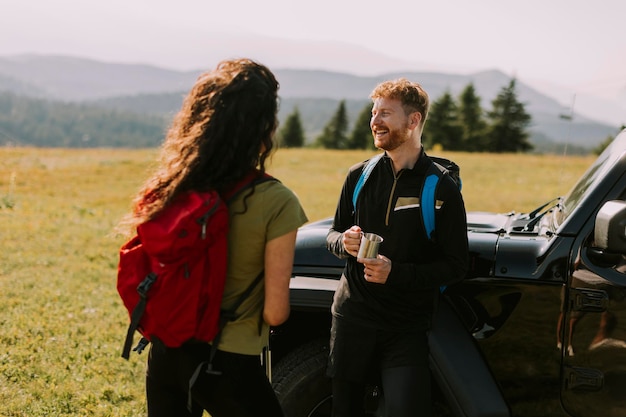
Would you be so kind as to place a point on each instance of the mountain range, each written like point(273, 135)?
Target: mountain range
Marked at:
point(153, 90)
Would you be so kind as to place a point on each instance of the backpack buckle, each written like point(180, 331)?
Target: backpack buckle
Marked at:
point(145, 285)
point(141, 345)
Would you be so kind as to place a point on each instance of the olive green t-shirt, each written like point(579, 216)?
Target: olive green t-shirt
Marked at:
point(272, 211)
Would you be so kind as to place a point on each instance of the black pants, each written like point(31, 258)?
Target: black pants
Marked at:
point(398, 361)
point(406, 391)
point(242, 389)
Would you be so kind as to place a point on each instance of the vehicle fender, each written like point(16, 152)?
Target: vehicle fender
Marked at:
point(459, 368)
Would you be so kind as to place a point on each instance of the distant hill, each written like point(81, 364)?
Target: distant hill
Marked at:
point(145, 89)
point(35, 122)
point(77, 79)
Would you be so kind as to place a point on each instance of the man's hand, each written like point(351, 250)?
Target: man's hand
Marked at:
point(376, 269)
point(351, 240)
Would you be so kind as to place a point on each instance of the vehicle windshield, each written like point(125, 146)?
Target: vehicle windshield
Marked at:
point(593, 174)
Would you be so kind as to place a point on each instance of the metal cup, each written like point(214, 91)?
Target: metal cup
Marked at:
point(369, 245)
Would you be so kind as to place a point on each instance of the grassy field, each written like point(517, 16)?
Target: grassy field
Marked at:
point(61, 322)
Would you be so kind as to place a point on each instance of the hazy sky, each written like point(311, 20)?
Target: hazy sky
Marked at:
point(568, 42)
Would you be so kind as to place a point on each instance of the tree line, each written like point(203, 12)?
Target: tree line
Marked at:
point(26, 121)
point(455, 124)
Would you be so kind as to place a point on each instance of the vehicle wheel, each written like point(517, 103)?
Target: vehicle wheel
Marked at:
point(300, 381)
point(304, 390)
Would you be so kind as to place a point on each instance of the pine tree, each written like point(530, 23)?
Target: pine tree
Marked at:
point(361, 137)
point(334, 135)
point(442, 126)
point(472, 120)
point(508, 122)
point(602, 146)
point(291, 135)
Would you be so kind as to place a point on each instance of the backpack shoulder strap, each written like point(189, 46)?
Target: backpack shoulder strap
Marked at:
point(453, 170)
point(428, 203)
point(365, 173)
point(253, 178)
point(427, 198)
point(230, 314)
point(225, 317)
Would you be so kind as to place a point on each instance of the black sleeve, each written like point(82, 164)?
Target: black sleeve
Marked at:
point(344, 214)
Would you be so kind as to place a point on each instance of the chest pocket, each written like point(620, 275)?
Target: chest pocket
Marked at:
point(405, 216)
point(407, 203)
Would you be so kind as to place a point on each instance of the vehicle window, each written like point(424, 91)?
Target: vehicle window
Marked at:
point(593, 174)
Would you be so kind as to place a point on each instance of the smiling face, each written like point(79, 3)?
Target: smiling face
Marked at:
point(391, 126)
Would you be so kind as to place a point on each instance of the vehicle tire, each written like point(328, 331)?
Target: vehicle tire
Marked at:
point(300, 381)
point(304, 390)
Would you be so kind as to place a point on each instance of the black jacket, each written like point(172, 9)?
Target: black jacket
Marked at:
point(387, 206)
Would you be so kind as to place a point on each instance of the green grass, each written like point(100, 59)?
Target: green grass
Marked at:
point(61, 321)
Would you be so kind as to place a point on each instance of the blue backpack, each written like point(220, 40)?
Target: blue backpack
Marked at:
point(439, 168)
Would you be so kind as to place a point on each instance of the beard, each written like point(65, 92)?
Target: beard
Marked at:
point(393, 139)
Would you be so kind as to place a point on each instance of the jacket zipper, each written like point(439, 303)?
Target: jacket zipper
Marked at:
point(393, 190)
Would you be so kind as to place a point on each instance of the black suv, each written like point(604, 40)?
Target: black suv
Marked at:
point(536, 328)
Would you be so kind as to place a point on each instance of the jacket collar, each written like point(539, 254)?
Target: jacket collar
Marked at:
point(420, 167)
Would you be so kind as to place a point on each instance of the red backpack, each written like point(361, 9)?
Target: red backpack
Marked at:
point(171, 275)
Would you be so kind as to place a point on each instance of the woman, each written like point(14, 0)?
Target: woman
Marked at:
point(223, 131)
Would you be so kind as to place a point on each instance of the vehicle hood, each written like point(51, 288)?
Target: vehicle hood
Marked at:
point(312, 255)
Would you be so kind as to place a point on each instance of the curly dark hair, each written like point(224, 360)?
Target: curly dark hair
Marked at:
point(223, 130)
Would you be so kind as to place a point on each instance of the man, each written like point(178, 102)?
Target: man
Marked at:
point(382, 307)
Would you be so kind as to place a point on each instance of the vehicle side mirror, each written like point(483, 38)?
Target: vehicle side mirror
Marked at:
point(610, 227)
point(609, 235)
